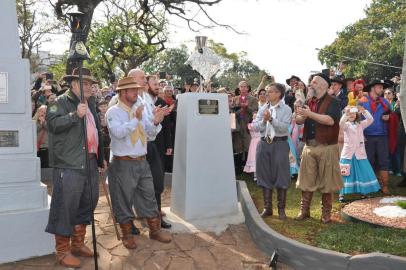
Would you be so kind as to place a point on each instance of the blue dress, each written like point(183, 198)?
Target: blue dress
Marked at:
point(362, 178)
point(293, 159)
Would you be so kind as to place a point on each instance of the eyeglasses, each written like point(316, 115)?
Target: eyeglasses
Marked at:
point(388, 93)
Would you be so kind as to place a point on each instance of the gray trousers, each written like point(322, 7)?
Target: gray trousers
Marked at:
point(70, 204)
point(131, 184)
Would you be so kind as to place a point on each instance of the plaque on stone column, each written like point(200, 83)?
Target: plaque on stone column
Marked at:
point(208, 106)
point(3, 87)
point(8, 138)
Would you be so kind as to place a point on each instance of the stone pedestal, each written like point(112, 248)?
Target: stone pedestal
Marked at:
point(203, 181)
point(24, 205)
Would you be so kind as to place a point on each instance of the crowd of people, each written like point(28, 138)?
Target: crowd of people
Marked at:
point(331, 134)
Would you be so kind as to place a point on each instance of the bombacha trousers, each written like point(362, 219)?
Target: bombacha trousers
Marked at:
point(131, 184)
point(71, 204)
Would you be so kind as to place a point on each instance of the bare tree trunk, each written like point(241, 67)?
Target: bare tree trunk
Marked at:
point(402, 97)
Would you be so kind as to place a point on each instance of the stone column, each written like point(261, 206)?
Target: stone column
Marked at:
point(24, 204)
point(203, 181)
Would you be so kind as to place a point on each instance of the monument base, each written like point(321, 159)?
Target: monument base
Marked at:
point(216, 225)
point(23, 235)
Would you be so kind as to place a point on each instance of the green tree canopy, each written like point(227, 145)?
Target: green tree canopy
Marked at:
point(376, 38)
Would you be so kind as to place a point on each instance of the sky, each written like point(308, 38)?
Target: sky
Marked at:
point(281, 35)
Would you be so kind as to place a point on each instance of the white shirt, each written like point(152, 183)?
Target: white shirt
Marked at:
point(149, 107)
point(120, 128)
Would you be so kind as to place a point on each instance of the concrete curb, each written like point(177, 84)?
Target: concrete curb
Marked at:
point(302, 256)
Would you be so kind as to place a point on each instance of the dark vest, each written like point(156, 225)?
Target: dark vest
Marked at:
point(325, 134)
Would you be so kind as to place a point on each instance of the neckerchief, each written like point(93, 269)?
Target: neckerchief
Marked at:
point(139, 132)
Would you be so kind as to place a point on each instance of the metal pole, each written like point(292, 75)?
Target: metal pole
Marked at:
point(89, 181)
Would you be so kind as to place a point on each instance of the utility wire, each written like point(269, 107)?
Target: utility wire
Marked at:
point(355, 59)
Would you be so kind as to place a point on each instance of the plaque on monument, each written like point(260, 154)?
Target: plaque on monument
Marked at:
point(208, 106)
point(8, 138)
point(3, 87)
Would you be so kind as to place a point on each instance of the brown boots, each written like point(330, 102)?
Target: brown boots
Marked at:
point(326, 206)
point(78, 247)
point(282, 203)
point(128, 238)
point(267, 193)
point(63, 253)
point(155, 231)
point(305, 205)
point(383, 178)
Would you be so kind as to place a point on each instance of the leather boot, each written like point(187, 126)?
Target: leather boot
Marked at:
point(282, 203)
point(78, 246)
point(384, 178)
point(267, 193)
point(326, 206)
point(155, 232)
point(305, 205)
point(128, 238)
point(63, 254)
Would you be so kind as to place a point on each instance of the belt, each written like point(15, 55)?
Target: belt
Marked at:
point(313, 142)
point(275, 139)
point(130, 158)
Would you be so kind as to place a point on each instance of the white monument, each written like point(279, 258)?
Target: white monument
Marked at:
point(203, 180)
point(24, 204)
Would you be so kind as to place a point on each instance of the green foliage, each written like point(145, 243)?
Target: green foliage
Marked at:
point(124, 42)
point(59, 68)
point(378, 38)
point(401, 204)
point(172, 61)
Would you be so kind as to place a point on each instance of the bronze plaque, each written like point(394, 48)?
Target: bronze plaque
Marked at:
point(208, 106)
point(9, 138)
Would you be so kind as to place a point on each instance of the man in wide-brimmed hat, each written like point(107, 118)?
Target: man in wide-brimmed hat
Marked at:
point(376, 135)
point(339, 91)
point(71, 208)
point(130, 179)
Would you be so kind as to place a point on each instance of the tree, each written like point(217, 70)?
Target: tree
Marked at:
point(145, 9)
point(402, 97)
point(172, 61)
point(376, 38)
point(33, 29)
point(241, 68)
point(125, 41)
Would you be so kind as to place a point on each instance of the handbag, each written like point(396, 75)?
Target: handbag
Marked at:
point(345, 169)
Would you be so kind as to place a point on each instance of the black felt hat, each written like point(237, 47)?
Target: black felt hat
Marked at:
point(338, 79)
point(377, 82)
point(324, 77)
point(292, 77)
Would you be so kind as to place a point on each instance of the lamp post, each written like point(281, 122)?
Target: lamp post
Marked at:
point(201, 44)
point(78, 53)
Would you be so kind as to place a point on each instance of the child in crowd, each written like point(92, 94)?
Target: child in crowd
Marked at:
point(357, 172)
point(255, 137)
point(102, 107)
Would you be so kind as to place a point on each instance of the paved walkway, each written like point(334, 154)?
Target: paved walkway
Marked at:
point(232, 250)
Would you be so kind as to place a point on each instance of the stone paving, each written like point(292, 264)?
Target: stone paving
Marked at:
point(233, 250)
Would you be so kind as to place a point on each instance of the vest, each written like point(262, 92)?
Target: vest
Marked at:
point(325, 134)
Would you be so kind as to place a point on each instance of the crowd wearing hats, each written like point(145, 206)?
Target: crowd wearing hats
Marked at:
point(332, 135)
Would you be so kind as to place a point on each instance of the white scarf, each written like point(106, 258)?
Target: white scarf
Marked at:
point(270, 131)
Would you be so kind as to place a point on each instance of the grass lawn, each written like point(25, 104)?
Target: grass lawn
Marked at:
point(342, 236)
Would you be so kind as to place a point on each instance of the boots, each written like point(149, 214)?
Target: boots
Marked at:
point(78, 246)
point(164, 224)
point(305, 205)
point(155, 232)
point(128, 238)
point(267, 193)
point(282, 203)
point(383, 181)
point(326, 206)
point(63, 254)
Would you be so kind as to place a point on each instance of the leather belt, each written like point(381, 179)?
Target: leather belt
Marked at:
point(313, 142)
point(276, 139)
point(130, 158)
